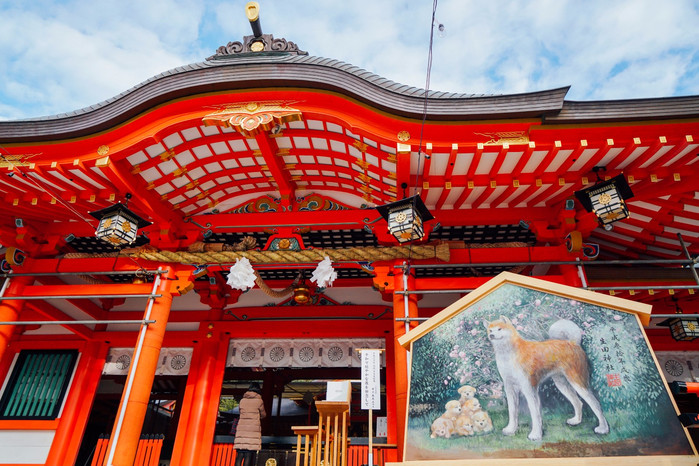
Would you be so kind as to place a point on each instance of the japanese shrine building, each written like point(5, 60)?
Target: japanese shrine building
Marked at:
point(264, 152)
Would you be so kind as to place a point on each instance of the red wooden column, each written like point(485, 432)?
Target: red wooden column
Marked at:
point(391, 414)
point(401, 356)
point(9, 310)
point(134, 404)
point(197, 439)
point(66, 442)
point(571, 275)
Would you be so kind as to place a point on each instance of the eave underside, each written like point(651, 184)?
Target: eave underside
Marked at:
point(495, 172)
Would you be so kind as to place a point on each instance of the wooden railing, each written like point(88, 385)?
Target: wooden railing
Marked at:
point(223, 454)
point(147, 454)
point(357, 455)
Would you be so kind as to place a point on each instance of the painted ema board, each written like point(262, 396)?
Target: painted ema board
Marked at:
point(522, 368)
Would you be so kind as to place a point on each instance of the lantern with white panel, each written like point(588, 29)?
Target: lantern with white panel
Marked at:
point(406, 218)
point(118, 224)
point(682, 328)
point(606, 200)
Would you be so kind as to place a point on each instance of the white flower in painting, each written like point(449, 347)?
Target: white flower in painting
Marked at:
point(242, 275)
point(324, 275)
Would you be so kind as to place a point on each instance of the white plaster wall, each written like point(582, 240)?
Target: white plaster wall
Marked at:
point(25, 446)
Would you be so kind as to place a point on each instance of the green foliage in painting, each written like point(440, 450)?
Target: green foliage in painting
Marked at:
point(623, 376)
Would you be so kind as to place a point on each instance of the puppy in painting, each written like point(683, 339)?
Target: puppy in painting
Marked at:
point(442, 427)
point(466, 392)
point(470, 406)
point(481, 422)
point(464, 425)
point(525, 364)
point(452, 410)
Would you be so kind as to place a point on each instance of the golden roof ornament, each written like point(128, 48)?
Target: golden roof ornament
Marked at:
point(257, 42)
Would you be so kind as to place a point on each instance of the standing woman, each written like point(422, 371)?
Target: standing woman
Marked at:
point(248, 437)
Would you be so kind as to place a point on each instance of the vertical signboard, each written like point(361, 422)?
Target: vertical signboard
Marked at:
point(371, 380)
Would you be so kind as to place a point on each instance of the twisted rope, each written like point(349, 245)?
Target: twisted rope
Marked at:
point(370, 254)
point(275, 293)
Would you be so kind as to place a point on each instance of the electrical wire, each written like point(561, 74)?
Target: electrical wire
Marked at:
point(33, 181)
point(420, 154)
point(428, 75)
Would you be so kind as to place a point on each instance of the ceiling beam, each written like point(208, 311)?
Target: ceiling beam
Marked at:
point(54, 313)
point(275, 164)
point(86, 306)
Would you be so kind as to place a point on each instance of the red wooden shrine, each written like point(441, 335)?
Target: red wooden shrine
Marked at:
point(268, 153)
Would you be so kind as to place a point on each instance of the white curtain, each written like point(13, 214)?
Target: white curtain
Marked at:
point(172, 361)
point(679, 365)
point(299, 352)
point(306, 353)
point(118, 361)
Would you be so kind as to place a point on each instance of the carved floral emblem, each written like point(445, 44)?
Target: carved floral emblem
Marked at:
point(251, 118)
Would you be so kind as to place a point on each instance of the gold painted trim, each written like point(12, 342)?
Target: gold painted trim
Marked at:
point(642, 310)
point(103, 162)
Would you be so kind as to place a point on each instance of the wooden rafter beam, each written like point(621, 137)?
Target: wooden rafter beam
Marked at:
point(403, 162)
point(596, 159)
point(565, 166)
point(668, 156)
point(356, 219)
point(647, 189)
point(449, 170)
point(647, 155)
point(516, 175)
point(275, 163)
point(470, 173)
point(119, 174)
point(84, 305)
point(85, 291)
point(424, 174)
point(54, 313)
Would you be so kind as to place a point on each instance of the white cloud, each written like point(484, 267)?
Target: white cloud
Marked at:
point(78, 54)
point(58, 57)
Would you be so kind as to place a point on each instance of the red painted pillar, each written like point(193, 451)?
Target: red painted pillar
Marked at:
point(401, 356)
point(210, 415)
point(195, 443)
point(391, 409)
point(66, 441)
point(571, 275)
point(9, 310)
point(136, 402)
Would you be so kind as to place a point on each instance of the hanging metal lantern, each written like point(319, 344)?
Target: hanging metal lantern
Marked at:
point(406, 218)
point(302, 293)
point(606, 200)
point(682, 328)
point(118, 225)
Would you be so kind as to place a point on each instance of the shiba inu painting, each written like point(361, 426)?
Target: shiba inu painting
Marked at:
point(525, 364)
point(556, 347)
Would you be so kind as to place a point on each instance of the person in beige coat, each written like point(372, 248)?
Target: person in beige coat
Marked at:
point(248, 436)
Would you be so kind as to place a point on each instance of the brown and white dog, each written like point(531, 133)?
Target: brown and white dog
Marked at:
point(525, 364)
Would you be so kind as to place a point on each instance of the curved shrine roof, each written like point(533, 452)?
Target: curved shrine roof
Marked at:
point(279, 69)
point(349, 140)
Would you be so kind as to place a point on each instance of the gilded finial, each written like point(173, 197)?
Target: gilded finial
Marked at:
point(252, 11)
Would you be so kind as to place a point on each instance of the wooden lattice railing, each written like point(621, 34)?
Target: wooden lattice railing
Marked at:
point(147, 454)
point(224, 455)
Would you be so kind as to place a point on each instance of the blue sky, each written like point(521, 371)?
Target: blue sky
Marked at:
point(59, 56)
